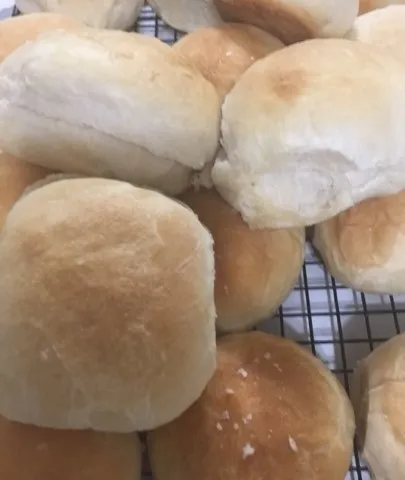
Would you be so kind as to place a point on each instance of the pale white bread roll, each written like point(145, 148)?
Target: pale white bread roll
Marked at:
point(368, 5)
point(293, 20)
point(378, 398)
point(383, 28)
point(222, 53)
point(15, 177)
point(15, 31)
point(109, 103)
point(306, 137)
point(110, 14)
point(32, 453)
point(271, 411)
point(107, 316)
point(255, 270)
point(363, 247)
point(186, 15)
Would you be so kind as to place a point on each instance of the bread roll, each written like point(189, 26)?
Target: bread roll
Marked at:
point(272, 410)
point(368, 5)
point(254, 269)
point(31, 453)
point(98, 278)
point(111, 104)
point(306, 137)
point(293, 20)
point(224, 52)
point(15, 177)
point(363, 247)
point(15, 31)
point(378, 393)
point(115, 14)
point(383, 28)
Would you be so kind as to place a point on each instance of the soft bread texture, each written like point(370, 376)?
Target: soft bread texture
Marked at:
point(111, 104)
point(187, 15)
point(255, 270)
point(293, 20)
point(32, 453)
point(378, 392)
point(110, 14)
point(369, 5)
point(363, 247)
point(15, 31)
point(15, 177)
point(97, 280)
point(272, 410)
point(384, 28)
point(224, 52)
point(310, 131)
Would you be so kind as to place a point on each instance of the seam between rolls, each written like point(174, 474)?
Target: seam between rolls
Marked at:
point(109, 135)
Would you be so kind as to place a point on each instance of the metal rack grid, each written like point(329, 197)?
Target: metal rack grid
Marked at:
point(340, 326)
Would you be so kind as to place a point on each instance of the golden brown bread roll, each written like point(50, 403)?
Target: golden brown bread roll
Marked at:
point(292, 20)
point(254, 269)
point(32, 453)
point(107, 315)
point(271, 411)
point(15, 177)
point(15, 31)
point(363, 247)
point(222, 53)
point(378, 398)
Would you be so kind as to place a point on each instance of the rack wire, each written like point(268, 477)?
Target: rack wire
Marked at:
point(340, 326)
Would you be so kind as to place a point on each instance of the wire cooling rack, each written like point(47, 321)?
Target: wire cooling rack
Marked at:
point(338, 325)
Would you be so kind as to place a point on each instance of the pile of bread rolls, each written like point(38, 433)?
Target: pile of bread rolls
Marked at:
point(154, 201)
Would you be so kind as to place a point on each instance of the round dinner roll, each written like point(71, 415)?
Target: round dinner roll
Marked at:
point(114, 14)
point(32, 453)
point(363, 247)
point(15, 31)
point(305, 137)
point(224, 52)
point(272, 410)
point(292, 20)
point(110, 104)
point(368, 5)
point(107, 316)
point(378, 398)
point(384, 28)
point(255, 270)
point(15, 177)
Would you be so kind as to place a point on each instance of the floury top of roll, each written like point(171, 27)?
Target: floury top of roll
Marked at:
point(311, 130)
point(108, 103)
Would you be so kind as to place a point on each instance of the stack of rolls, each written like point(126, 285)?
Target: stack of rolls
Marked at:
point(154, 201)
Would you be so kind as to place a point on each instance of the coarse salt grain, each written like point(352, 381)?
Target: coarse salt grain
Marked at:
point(235, 426)
point(226, 415)
point(219, 427)
point(242, 372)
point(229, 391)
point(277, 366)
point(293, 444)
point(248, 451)
point(267, 356)
point(247, 419)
